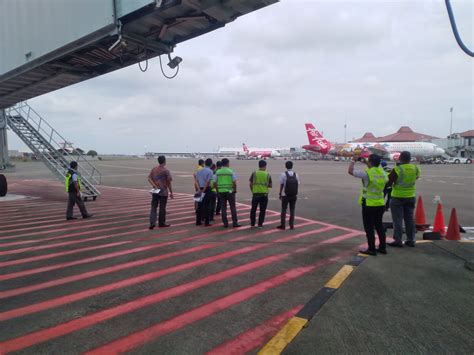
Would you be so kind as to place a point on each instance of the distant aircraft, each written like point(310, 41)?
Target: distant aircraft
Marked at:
point(260, 154)
point(388, 150)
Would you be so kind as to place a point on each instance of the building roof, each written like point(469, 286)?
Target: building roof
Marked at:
point(469, 133)
point(367, 137)
point(405, 134)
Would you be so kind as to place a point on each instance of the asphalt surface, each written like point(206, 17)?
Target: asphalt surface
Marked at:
point(326, 193)
point(73, 287)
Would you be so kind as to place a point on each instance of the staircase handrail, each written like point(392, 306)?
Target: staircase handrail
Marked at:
point(51, 135)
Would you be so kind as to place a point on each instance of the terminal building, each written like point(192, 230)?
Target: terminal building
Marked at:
point(404, 134)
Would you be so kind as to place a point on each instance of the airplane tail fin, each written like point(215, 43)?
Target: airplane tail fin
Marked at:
point(246, 149)
point(314, 136)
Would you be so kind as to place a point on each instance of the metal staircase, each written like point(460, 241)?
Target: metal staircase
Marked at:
point(51, 147)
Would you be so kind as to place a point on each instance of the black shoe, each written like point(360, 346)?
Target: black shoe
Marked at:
point(87, 216)
point(281, 227)
point(164, 225)
point(368, 252)
point(218, 213)
point(236, 225)
point(260, 226)
point(198, 223)
point(152, 226)
point(226, 226)
point(410, 243)
point(395, 244)
point(292, 227)
point(381, 251)
point(70, 218)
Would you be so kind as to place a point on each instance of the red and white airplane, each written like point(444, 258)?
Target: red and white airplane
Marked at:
point(260, 154)
point(388, 150)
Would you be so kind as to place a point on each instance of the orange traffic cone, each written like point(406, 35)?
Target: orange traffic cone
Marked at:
point(438, 224)
point(453, 227)
point(420, 218)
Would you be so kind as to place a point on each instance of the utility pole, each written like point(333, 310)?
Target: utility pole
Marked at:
point(345, 128)
point(451, 125)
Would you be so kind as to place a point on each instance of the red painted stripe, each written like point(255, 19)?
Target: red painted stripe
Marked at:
point(78, 224)
point(55, 245)
point(256, 337)
point(82, 224)
point(42, 306)
point(74, 278)
point(154, 332)
point(173, 324)
point(44, 211)
point(60, 220)
point(106, 256)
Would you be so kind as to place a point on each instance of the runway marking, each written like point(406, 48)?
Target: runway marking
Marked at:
point(289, 331)
point(255, 337)
point(152, 333)
point(127, 255)
point(144, 336)
point(191, 221)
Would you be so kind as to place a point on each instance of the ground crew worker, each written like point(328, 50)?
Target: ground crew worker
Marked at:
point(213, 194)
point(403, 180)
point(260, 182)
point(204, 179)
point(226, 185)
point(160, 178)
point(73, 188)
point(289, 182)
point(372, 201)
point(218, 202)
point(196, 185)
point(387, 192)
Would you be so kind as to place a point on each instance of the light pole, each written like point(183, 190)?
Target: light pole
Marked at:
point(451, 125)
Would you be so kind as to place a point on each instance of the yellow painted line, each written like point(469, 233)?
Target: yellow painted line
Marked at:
point(364, 255)
point(466, 241)
point(423, 241)
point(279, 342)
point(339, 278)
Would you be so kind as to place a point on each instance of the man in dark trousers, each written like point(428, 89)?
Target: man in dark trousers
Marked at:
point(372, 201)
point(73, 188)
point(289, 182)
point(403, 180)
point(160, 179)
point(226, 185)
point(260, 182)
point(204, 178)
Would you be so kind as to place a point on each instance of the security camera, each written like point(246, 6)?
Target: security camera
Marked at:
point(174, 62)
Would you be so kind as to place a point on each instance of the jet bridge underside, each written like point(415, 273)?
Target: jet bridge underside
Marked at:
point(149, 32)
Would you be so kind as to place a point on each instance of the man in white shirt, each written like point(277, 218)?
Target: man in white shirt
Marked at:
point(289, 182)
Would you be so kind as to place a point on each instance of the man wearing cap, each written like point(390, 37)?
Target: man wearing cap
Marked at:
point(403, 181)
point(73, 188)
point(372, 201)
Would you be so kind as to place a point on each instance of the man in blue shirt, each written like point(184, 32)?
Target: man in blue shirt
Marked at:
point(204, 178)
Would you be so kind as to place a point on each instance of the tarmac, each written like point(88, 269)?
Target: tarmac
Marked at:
point(109, 284)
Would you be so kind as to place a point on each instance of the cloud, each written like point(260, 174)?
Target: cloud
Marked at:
point(376, 64)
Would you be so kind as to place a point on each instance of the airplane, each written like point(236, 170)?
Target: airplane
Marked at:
point(260, 154)
point(388, 150)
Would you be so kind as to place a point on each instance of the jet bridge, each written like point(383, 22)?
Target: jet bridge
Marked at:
point(47, 45)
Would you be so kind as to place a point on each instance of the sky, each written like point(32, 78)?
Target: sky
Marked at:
point(375, 65)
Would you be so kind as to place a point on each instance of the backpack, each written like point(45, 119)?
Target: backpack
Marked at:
point(291, 186)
